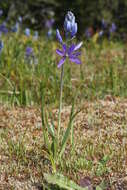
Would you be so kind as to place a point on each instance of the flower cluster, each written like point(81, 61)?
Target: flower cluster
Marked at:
point(27, 32)
point(70, 26)
point(70, 52)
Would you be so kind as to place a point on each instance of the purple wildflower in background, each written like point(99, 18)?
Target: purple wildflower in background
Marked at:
point(49, 33)
point(27, 32)
point(103, 24)
point(29, 51)
point(3, 28)
point(20, 19)
point(101, 33)
point(1, 12)
point(15, 28)
point(1, 45)
point(113, 28)
point(49, 23)
point(70, 26)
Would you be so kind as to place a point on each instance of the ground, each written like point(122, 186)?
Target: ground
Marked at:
point(100, 145)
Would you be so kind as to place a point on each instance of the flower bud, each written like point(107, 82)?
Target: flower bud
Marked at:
point(70, 26)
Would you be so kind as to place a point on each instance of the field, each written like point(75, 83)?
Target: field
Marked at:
point(98, 154)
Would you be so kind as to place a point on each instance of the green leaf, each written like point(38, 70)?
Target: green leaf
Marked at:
point(69, 128)
point(98, 188)
point(62, 182)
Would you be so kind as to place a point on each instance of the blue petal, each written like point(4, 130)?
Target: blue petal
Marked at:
point(78, 46)
point(58, 36)
point(74, 29)
point(68, 26)
point(71, 49)
point(64, 48)
point(75, 54)
point(61, 62)
point(59, 52)
point(75, 60)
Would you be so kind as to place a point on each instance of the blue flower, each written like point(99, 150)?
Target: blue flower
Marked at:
point(49, 23)
point(3, 28)
point(20, 19)
point(113, 28)
point(49, 33)
point(70, 26)
point(29, 51)
point(15, 28)
point(103, 24)
point(27, 32)
point(69, 52)
point(1, 12)
point(101, 33)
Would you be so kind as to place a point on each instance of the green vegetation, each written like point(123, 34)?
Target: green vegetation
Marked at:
point(103, 71)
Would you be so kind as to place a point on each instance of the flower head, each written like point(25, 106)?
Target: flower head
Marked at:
point(70, 53)
point(20, 19)
point(103, 24)
point(49, 23)
point(29, 51)
point(49, 33)
point(3, 28)
point(1, 12)
point(15, 28)
point(70, 26)
point(113, 28)
point(27, 32)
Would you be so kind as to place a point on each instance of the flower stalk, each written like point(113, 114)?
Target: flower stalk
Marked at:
point(60, 103)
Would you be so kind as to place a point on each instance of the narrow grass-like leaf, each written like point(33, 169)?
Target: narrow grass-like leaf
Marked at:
point(67, 132)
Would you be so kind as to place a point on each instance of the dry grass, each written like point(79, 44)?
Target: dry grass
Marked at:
point(100, 150)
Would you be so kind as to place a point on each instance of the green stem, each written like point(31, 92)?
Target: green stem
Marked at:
point(60, 103)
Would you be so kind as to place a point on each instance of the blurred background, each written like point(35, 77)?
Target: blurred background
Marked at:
point(92, 16)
